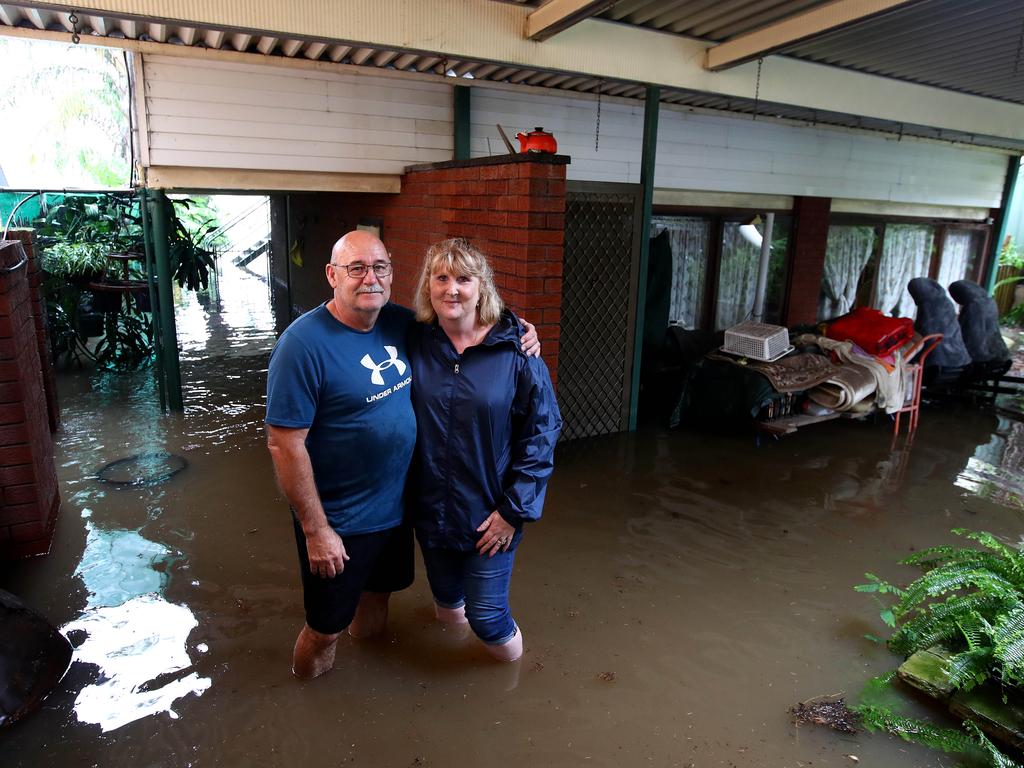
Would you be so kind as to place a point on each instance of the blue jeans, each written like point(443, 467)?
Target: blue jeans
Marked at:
point(480, 583)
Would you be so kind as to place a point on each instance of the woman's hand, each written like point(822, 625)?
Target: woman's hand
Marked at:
point(497, 535)
point(529, 341)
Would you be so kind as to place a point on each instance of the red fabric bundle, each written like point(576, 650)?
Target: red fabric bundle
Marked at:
point(872, 331)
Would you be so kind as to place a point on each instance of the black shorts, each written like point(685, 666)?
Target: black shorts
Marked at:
point(378, 562)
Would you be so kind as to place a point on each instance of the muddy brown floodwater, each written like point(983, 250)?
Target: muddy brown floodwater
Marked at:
point(681, 594)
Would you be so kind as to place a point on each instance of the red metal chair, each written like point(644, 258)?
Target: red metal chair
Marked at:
point(914, 367)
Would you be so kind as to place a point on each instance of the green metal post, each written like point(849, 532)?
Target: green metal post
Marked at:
point(169, 335)
point(1009, 191)
point(652, 101)
point(462, 129)
point(145, 212)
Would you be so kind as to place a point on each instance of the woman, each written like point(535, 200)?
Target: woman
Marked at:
point(487, 422)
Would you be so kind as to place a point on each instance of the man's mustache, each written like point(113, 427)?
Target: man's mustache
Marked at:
point(371, 289)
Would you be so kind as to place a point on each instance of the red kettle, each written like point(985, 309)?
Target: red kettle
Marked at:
point(537, 140)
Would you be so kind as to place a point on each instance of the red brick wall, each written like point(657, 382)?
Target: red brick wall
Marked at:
point(28, 478)
point(39, 322)
point(807, 265)
point(513, 210)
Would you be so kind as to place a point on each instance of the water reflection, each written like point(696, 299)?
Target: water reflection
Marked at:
point(136, 638)
point(138, 646)
point(119, 565)
point(996, 470)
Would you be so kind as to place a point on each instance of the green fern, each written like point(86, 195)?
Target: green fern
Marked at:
point(970, 741)
point(1007, 638)
point(952, 578)
point(969, 668)
point(948, 740)
point(996, 759)
point(971, 601)
point(928, 558)
point(941, 624)
point(1014, 557)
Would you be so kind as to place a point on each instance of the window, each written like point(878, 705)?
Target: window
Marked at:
point(738, 273)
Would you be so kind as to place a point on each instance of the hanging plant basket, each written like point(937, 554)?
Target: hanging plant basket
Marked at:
point(107, 294)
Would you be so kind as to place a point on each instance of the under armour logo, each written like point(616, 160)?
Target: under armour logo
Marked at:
point(393, 360)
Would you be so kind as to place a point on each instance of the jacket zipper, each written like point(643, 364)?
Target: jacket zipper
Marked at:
point(448, 451)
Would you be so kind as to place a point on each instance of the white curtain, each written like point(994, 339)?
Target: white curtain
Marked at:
point(688, 238)
point(846, 254)
point(956, 256)
point(737, 278)
point(906, 254)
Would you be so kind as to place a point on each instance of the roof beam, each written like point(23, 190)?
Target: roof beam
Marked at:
point(558, 15)
point(774, 37)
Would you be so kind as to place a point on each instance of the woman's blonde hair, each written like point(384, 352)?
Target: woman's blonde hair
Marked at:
point(458, 257)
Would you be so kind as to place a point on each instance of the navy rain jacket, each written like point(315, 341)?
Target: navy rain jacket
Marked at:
point(487, 423)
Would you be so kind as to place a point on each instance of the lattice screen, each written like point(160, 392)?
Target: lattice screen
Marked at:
point(598, 299)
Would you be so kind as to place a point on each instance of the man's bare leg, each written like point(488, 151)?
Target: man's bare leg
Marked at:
point(314, 653)
point(371, 615)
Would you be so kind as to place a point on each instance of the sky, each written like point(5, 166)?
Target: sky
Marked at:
point(65, 115)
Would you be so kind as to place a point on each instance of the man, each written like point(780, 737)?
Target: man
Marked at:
point(341, 431)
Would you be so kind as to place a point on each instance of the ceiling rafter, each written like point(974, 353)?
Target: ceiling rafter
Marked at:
point(558, 15)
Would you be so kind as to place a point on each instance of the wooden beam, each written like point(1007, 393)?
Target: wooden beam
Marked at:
point(558, 15)
point(241, 179)
point(812, 23)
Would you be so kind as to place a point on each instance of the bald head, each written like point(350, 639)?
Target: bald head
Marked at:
point(359, 246)
point(359, 292)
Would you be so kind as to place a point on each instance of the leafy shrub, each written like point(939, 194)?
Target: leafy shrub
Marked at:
point(74, 259)
point(969, 600)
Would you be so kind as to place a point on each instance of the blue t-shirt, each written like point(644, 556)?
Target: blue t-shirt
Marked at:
point(351, 389)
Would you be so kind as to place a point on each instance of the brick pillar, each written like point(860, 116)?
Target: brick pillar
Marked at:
point(807, 265)
point(28, 477)
point(512, 207)
point(35, 284)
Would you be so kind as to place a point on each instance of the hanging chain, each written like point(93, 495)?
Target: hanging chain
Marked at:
point(597, 127)
point(757, 87)
point(75, 38)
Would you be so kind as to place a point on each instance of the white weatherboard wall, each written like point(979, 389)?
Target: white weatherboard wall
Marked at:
point(720, 153)
point(210, 114)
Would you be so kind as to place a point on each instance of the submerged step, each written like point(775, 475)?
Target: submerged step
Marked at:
point(984, 705)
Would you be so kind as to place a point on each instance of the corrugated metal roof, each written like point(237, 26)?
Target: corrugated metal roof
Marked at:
point(719, 14)
point(708, 19)
point(971, 46)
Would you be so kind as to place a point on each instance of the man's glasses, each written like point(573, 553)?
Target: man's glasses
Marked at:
point(358, 269)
